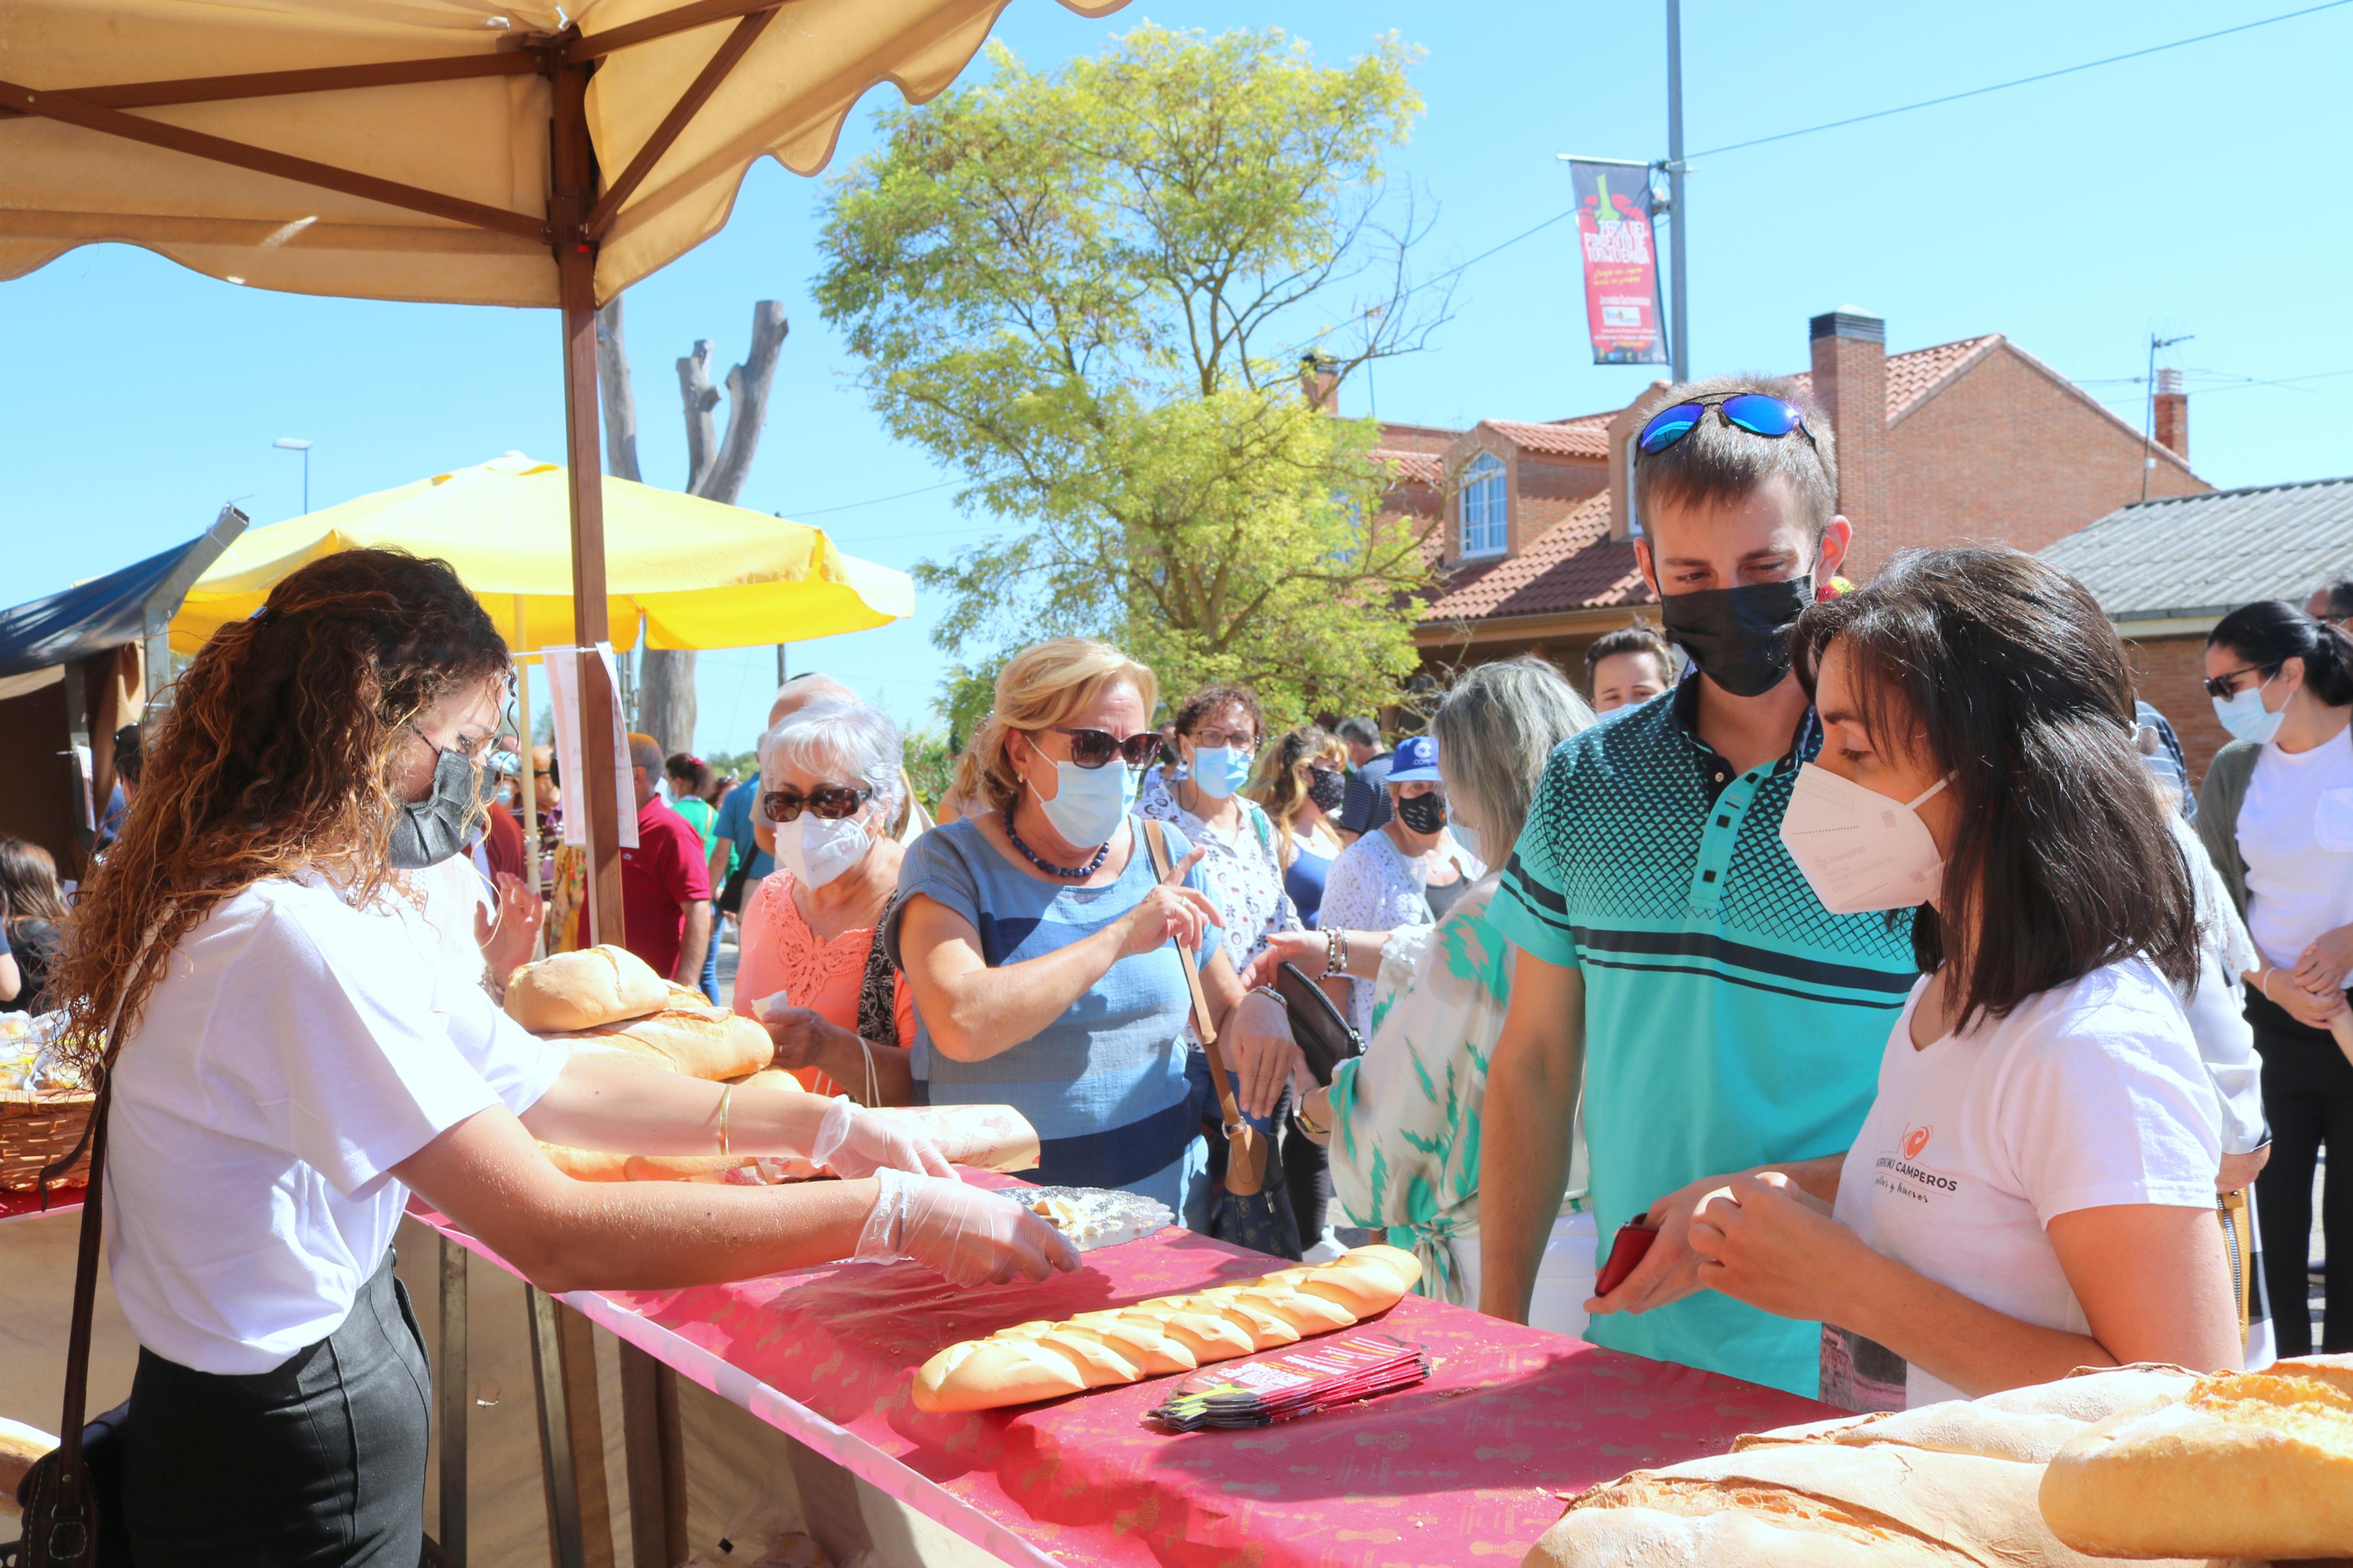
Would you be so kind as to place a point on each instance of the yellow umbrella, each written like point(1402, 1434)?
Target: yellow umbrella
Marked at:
point(703, 574)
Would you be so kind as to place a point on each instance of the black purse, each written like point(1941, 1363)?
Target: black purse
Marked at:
point(1254, 1211)
point(1324, 1035)
point(71, 1495)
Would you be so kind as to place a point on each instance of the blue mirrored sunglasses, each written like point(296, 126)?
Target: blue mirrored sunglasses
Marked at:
point(1758, 413)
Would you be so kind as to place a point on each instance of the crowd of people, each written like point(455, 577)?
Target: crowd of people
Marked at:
point(1862, 955)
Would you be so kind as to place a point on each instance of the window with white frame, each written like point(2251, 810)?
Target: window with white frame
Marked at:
point(1486, 503)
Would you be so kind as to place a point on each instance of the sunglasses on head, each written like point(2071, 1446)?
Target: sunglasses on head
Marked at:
point(1094, 748)
point(2219, 687)
point(1758, 413)
point(830, 802)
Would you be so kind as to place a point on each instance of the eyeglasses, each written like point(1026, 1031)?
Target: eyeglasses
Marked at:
point(1094, 748)
point(2221, 690)
point(830, 802)
point(1758, 413)
point(1241, 741)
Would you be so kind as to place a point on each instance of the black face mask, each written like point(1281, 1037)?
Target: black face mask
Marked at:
point(432, 830)
point(1326, 788)
point(1739, 638)
point(1422, 813)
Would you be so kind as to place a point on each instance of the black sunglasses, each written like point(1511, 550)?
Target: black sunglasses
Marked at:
point(2219, 687)
point(1094, 748)
point(829, 802)
point(1758, 413)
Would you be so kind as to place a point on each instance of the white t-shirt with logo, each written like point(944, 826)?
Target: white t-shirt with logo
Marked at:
point(2088, 1095)
point(296, 1049)
point(2295, 833)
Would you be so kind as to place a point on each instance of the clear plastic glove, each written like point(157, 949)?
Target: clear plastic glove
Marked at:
point(965, 1235)
point(856, 1142)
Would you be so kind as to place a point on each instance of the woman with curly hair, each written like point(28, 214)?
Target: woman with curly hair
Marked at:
point(285, 1057)
point(1301, 782)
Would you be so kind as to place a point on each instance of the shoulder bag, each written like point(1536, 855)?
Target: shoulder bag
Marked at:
point(1252, 1211)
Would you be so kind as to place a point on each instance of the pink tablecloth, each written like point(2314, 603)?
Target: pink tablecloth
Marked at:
point(1465, 1469)
point(61, 1199)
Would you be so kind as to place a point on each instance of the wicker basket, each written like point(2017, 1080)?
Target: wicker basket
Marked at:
point(37, 1128)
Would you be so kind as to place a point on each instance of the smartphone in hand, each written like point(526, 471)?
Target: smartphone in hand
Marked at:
point(1633, 1240)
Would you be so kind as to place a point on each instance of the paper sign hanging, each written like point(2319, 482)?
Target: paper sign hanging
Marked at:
point(562, 665)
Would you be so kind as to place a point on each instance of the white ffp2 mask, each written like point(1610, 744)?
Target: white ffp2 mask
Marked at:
point(1860, 850)
point(815, 850)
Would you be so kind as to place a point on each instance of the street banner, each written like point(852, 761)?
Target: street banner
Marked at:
point(1623, 308)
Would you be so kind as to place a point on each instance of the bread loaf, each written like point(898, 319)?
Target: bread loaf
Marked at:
point(1167, 1334)
point(20, 1445)
point(581, 990)
point(1952, 1485)
point(980, 1374)
point(586, 1164)
point(693, 1042)
point(2255, 1464)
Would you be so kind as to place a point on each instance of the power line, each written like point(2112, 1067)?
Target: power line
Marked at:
point(944, 484)
point(2021, 82)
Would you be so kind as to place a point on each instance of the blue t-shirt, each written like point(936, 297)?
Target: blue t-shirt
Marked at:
point(1729, 1018)
point(1303, 879)
point(1104, 1084)
point(734, 824)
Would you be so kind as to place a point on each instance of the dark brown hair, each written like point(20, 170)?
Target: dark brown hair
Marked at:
point(691, 769)
point(276, 755)
point(1640, 638)
point(1719, 462)
point(2003, 672)
point(1212, 699)
point(2270, 632)
point(28, 885)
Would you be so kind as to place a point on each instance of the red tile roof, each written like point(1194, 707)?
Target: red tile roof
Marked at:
point(1587, 437)
point(1412, 468)
point(1572, 565)
point(1911, 375)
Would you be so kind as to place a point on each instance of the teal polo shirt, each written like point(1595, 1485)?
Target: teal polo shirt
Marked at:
point(1729, 1018)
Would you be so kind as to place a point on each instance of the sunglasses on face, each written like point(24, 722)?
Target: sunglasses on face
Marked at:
point(1094, 748)
point(1758, 413)
point(2221, 687)
point(829, 802)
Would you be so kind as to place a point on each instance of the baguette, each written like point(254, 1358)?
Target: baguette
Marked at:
point(20, 1446)
point(2253, 1464)
point(1150, 1339)
point(693, 1042)
point(582, 990)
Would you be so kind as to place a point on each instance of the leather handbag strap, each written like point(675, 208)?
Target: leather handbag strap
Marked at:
point(1246, 1150)
point(74, 1506)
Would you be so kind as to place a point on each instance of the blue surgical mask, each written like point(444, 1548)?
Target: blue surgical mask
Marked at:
point(1220, 771)
point(2243, 714)
point(1089, 803)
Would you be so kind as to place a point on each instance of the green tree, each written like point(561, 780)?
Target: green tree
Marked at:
point(1087, 292)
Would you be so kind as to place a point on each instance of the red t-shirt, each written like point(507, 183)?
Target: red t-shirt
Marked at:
point(502, 845)
point(659, 878)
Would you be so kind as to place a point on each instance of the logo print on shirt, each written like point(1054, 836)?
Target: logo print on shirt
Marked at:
point(1914, 1140)
point(1899, 1172)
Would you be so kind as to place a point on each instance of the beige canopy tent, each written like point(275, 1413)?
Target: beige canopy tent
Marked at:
point(458, 151)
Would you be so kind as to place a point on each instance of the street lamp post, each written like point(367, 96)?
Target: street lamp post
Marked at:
point(296, 444)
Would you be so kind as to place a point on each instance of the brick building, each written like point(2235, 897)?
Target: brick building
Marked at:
point(1532, 525)
point(2167, 571)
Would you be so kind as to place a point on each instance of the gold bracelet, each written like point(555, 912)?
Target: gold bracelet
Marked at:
point(726, 1098)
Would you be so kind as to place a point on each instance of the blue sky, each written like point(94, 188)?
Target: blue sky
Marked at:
point(2200, 191)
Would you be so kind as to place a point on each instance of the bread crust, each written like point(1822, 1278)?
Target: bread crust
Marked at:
point(710, 1043)
point(2256, 1465)
point(580, 990)
point(980, 1374)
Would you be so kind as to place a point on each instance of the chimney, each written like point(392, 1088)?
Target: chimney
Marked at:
point(1319, 380)
point(1849, 352)
point(2170, 416)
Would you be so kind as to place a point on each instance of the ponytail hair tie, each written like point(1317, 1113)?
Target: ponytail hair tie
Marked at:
point(261, 614)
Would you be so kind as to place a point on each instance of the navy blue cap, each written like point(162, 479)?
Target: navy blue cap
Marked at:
point(1417, 762)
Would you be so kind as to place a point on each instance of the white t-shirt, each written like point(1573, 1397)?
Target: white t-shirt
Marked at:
point(2088, 1095)
point(295, 1050)
point(2295, 832)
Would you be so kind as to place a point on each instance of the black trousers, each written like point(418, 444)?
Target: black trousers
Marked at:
point(2308, 1100)
point(318, 1461)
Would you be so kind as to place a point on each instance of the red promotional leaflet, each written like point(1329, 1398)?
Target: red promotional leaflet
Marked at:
point(1299, 1380)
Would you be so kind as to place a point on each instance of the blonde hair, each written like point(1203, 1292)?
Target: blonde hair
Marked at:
point(1040, 686)
point(1281, 786)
